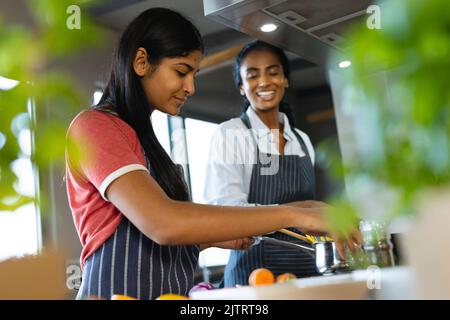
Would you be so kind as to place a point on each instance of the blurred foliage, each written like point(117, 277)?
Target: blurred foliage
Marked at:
point(28, 54)
point(400, 95)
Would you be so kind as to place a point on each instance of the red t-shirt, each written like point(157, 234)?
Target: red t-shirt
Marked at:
point(100, 148)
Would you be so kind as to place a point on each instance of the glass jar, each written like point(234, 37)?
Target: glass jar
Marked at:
point(377, 246)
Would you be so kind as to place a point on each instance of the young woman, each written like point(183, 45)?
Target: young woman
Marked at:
point(140, 234)
point(261, 74)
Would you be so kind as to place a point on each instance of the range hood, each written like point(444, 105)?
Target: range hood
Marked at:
point(308, 28)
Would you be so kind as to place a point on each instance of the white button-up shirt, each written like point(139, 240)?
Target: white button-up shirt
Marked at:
point(232, 157)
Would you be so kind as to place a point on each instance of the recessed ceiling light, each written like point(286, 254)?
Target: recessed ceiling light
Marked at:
point(344, 64)
point(268, 27)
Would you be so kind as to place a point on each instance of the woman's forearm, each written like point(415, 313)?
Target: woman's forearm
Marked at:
point(171, 222)
point(187, 223)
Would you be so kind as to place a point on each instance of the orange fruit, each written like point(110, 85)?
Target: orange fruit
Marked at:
point(172, 296)
point(286, 277)
point(261, 276)
point(121, 297)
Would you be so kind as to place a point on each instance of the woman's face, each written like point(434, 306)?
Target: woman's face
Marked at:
point(263, 80)
point(168, 84)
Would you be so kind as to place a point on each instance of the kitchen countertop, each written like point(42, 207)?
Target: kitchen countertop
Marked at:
point(373, 283)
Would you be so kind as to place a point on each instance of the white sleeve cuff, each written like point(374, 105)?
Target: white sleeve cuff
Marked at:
point(118, 173)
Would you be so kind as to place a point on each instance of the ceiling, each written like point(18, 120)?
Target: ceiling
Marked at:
point(310, 28)
point(307, 30)
point(116, 14)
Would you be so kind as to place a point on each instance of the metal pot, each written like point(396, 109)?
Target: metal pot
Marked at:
point(326, 257)
point(324, 253)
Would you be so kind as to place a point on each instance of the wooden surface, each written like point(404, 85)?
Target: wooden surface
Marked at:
point(33, 277)
point(220, 57)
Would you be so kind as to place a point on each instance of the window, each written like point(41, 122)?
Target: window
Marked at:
point(161, 127)
point(20, 229)
point(198, 139)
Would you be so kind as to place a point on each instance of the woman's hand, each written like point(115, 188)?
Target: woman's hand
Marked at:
point(313, 215)
point(314, 222)
point(353, 242)
point(238, 244)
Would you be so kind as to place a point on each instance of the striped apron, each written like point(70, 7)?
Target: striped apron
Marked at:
point(294, 181)
point(129, 263)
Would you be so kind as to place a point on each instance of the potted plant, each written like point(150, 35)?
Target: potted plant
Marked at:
point(36, 104)
point(28, 54)
point(395, 96)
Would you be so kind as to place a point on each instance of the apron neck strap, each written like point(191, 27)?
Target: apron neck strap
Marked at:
point(246, 121)
point(302, 143)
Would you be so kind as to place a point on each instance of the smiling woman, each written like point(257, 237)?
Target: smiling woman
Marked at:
point(261, 74)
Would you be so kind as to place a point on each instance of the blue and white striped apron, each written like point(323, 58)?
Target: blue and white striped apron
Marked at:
point(129, 263)
point(294, 181)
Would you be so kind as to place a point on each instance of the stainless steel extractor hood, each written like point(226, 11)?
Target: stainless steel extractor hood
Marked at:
point(309, 28)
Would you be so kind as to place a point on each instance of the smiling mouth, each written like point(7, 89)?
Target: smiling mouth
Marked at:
point(266, 95)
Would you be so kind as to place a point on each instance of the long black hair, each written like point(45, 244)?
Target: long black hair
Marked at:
point(164, 34)
point(257, 45)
